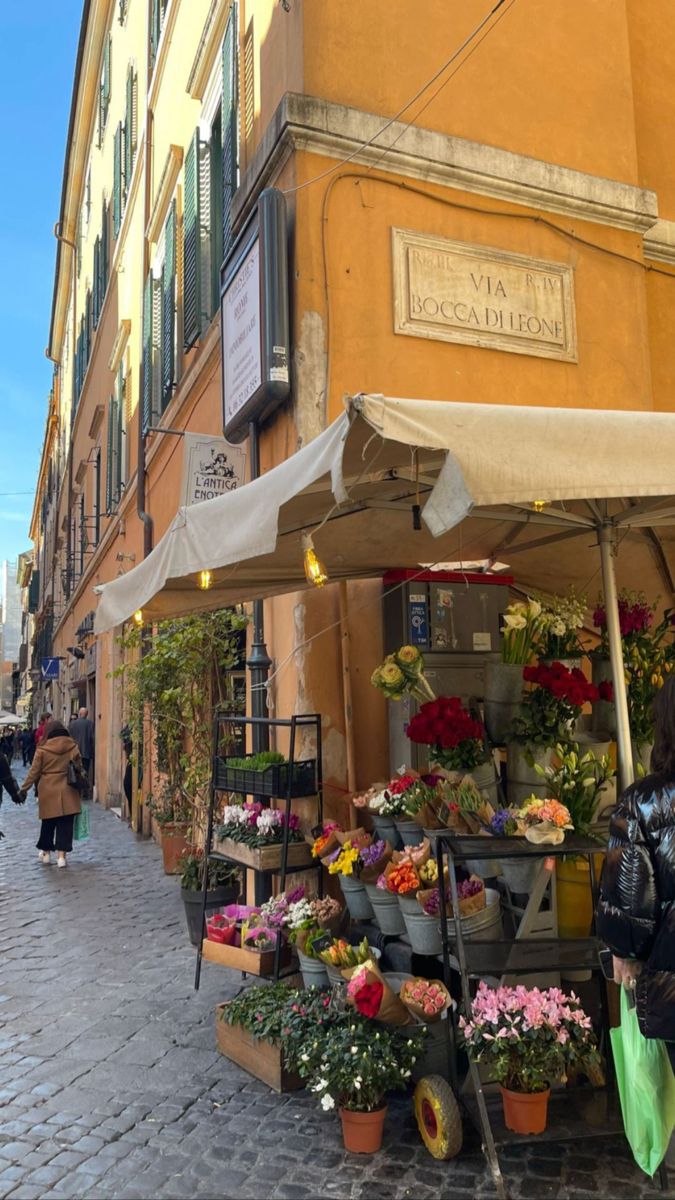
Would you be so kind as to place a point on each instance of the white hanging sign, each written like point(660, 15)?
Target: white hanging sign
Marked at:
point(211, 467)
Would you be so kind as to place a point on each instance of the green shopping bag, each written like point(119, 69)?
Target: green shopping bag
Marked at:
point(646, 1089)
point(81, 826)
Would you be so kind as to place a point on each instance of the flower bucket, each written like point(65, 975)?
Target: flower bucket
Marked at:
point(434, 1057)
point(642, 755)
point(522, 780)
point(356, 898)
point(411, 833)
point(520, 874)
point(503, 693)
point(387, 911)
point(604, 712)
point(485, 779)
point(424, 932)
point(484, 868)
point(525, 1112)
point(313, 971)
point(385, 828)
point(335, 973)
point(362, 1131)
point(484, 925)
point(408, 902)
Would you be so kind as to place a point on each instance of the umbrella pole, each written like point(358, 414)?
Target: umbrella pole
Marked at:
point(623, 738)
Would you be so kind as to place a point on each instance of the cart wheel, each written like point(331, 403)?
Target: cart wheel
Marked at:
point(438, 1117)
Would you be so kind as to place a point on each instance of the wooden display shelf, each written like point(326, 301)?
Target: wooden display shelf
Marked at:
point(253, 962)
point(264, 858)
point(258, 1056)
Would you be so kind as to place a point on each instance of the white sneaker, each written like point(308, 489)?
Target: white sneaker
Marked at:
point(61, 860)
point(44, 856)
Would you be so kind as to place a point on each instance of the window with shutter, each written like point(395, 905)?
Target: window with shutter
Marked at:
point(230, 124)
point(88, 327)
point(205, 234)
point(104, 90)
point(117, 180)
point(146, 365)
point(96, 310)
point(105, 249)
point(216, 172)
point(110, 445)
point(159, 8)
point(168, 333)
point(120, 433)
point(130, 128)
point(192, 245)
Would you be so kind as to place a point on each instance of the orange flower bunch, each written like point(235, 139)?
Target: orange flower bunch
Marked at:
point(403, 878)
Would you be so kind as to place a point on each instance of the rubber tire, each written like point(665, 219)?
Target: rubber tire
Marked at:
point(447, 1141)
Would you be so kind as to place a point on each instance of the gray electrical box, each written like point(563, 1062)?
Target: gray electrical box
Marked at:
point(454, 620)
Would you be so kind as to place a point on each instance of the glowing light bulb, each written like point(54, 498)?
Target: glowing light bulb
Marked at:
point(538, 505)
point(205, 580)
point(315, 572)
point(138, 616)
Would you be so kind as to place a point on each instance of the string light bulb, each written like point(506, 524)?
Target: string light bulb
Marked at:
point(315, 572)
point(205, 580)
point(538, 505)
point(138, 616)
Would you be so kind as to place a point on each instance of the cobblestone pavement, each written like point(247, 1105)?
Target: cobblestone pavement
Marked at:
point(110, 1085)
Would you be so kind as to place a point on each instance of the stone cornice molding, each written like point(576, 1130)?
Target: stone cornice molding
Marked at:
point(659, 242)
point(335, 131)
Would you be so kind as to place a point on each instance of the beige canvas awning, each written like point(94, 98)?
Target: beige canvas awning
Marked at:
point(478, 469)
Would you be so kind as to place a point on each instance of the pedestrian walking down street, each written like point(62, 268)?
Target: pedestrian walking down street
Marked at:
point(40, 731)
point(9, 784)
point(27, 738)
point(58, 802)
point(636, 909)
point(82, 732)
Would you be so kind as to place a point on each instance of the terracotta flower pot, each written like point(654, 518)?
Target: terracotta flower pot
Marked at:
point(362, 1131)
point(174, 842)
point(525, 1112)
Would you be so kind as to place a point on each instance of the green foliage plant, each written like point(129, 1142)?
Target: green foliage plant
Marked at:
point(172, 678)
point(191, 866)
point(576, 780)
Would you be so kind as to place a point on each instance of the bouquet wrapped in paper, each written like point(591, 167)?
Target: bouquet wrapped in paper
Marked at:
point(369, 993)
point(358, 837)
point(374, 859)
point(416, 855)
point(401, 878)
point(472, 898)
point(326, 841)
point(425, 999)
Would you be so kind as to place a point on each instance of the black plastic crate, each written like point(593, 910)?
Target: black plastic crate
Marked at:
point(273, 781)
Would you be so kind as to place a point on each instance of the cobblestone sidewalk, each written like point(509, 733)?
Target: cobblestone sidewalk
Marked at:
point(110, 1086)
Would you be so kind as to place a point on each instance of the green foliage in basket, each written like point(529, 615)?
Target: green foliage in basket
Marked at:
point(256, 762)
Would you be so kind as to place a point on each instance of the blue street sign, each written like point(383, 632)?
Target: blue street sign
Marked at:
point(50, 668)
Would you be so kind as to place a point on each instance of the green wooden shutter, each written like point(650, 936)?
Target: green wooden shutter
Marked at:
point(168, 307)
point(104, 89)
point(87, 327)
point(105, 249)
point(117, 181)
point(216, 172)
point(109, 460)
point(97, 282)
point(191, 246)
point(155, 30)
point(229, 125)
point(147, 353)
point(122, 384)
point(130, 128)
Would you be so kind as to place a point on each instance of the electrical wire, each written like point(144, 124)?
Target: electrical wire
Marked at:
point(423, 109)
point(387, 125)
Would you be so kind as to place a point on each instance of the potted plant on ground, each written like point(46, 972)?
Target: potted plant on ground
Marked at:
point(352, 1068)
point(222, 888)
point(528, 1039)
point(172, 819)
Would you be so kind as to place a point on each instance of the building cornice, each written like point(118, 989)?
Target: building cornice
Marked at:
point(659, 242)
point(336, 131)
point(209, 44)
point(165, 190)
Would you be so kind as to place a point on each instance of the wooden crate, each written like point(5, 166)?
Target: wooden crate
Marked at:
point(265, 858)
point(256, 1055)
point(253, 962)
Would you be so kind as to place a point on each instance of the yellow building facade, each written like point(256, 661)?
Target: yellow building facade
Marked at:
point(493, 224)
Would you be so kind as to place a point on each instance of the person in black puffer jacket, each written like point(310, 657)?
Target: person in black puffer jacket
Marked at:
point(636, 909)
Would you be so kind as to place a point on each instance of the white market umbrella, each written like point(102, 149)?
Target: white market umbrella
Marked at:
point(599, 478)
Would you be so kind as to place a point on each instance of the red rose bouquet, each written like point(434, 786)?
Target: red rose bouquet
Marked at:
point(455, 737)
point(553, 703)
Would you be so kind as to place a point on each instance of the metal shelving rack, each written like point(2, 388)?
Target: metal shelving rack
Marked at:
point(575, 1113)
point(303, 779)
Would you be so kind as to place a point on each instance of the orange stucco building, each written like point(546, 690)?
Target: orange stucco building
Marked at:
point(506, 237)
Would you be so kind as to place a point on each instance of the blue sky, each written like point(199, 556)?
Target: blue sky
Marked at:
point(38, 43)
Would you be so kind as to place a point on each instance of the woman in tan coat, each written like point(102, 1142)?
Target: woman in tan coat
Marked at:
point(58, 802)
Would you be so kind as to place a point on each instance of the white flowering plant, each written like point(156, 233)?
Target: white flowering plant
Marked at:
point(252, 824)
point(560, 620)
point(520, 631)
point(353, 1066)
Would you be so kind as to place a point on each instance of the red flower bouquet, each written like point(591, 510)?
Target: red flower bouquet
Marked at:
point(455, 737)
point(554, 701)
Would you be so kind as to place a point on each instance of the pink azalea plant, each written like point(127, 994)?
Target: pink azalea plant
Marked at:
point(528, 1037)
